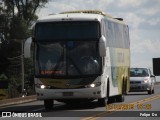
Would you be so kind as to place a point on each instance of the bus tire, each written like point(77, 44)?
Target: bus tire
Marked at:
point(48, 104)
point(120, 98)
point(102, 102)
point(126, 91)
point(149, 92)
point(153, 91)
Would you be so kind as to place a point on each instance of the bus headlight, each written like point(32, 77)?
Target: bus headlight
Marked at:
point(43, 86)
point(93, 85)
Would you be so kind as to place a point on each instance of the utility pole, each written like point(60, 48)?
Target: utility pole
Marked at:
point(22, 64)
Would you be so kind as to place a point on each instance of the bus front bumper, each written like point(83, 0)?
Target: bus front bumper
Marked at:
point(88, 93)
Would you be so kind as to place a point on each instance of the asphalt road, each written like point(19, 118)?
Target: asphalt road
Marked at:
point(137, 105)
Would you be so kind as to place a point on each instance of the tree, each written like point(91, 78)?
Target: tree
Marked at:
point(21, 14)
point(16, 19)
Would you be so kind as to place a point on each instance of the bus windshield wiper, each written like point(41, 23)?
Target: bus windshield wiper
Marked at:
point(75, 65)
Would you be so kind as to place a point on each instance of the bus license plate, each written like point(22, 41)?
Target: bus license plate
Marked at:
point(67, 93)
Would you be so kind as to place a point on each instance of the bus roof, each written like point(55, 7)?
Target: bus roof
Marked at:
point(88, 12)
point(82, 15)
point(71, 17)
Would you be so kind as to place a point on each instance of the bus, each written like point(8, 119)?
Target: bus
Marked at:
point(80, 56)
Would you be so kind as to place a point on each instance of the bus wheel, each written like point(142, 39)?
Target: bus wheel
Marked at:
point(149, 92)
point(120, 98)
point(126, 92)
point(102, 102)
point(153, 91)
point(48, 104)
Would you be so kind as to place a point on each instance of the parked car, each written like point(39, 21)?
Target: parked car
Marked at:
point(141, 80)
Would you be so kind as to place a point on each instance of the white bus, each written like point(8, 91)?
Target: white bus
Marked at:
point(80, 55)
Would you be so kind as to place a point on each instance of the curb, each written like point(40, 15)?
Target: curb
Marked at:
point(19, 100)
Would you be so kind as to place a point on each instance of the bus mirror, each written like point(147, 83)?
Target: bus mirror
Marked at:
point(27, 48)
point(102, 46)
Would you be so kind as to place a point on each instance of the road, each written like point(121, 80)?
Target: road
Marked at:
point(136, 106)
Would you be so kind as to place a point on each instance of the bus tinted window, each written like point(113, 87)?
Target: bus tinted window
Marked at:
point(117, 35)
point(67, 30)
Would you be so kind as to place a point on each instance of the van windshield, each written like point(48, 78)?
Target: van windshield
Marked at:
point(139, 72)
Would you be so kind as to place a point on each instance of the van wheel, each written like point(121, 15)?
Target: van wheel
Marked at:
point(48, 104)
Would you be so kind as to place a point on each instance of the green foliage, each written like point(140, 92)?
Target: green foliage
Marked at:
point(16, 19)
point(20, 15)
point(3, 77)
point(29, 75)
point(22, 31)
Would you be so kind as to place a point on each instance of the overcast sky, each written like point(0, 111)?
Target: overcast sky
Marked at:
point(142, 16)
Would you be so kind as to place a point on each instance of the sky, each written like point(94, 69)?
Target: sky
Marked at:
point(142, 16)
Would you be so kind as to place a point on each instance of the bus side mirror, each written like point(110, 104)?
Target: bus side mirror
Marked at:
point(102, 46)
point(27, 48)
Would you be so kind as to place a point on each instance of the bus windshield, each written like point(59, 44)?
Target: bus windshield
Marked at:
point(72, 58)
point(67, 30)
